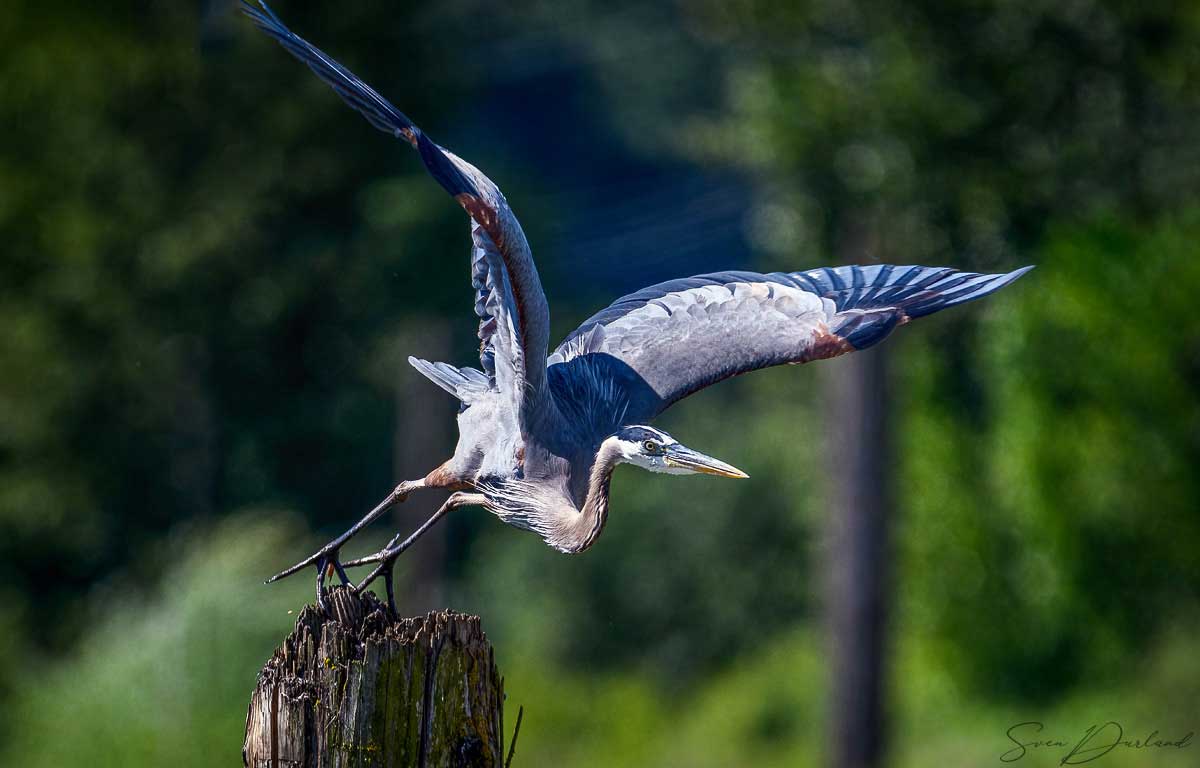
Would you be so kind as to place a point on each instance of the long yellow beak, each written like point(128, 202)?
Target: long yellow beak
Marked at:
point(685, 458)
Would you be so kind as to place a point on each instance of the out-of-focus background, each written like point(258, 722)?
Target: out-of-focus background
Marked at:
point(213, 272)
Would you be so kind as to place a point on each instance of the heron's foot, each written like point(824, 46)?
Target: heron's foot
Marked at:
point(327, 563)
point(328, 553)
point(326, 558)
point(386, 558)
point(326, 567)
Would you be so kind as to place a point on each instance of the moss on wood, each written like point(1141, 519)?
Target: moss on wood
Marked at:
point(357, 689)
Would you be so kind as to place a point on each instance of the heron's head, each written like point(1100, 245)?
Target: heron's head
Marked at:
point(655, 450)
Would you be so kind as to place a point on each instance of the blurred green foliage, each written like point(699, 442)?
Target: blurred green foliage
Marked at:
point(210, 262)
point(1068, 507)
point(155, 679)
point(164, 679)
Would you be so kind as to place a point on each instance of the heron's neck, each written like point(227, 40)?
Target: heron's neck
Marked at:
point(580, 528)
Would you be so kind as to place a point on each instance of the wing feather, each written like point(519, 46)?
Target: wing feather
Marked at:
point(656, 346)
point(514, 320)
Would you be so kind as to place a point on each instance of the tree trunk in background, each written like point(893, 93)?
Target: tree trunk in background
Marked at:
point(858, 551)
point(362, 689)
point(423, 440)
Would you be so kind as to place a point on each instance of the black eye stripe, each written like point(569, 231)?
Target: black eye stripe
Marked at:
point(639, 434)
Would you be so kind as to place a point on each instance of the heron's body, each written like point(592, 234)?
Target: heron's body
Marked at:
point(541, 431)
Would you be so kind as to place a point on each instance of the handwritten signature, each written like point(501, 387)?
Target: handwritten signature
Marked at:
point(1097, 741)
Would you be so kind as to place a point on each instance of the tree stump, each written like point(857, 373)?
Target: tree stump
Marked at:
point(358, 688)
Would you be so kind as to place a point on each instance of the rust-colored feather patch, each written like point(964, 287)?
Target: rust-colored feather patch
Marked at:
point(408, 135)
point(825, 344)
point(484, 214)
point(444, 477)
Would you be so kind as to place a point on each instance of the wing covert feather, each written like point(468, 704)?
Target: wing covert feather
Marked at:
point(656, 346)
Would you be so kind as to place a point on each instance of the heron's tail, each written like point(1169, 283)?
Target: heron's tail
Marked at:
point(872, 300)
point(466, 384)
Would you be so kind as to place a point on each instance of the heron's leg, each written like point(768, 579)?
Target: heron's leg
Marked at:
point(327, 556)
point(386, 557)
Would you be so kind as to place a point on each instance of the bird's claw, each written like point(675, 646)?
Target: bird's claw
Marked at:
point(326, 561)
point(386, 558)
point(326, 556)
point(326, 565)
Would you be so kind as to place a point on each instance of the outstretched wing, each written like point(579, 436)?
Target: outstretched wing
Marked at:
point(647, 350)
point(514, 321)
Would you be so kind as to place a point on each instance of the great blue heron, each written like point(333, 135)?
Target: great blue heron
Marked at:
point(541, 433)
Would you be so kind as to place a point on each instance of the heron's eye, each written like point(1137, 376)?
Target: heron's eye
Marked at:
point(651, 447)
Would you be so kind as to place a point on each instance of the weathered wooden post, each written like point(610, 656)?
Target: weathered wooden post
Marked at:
point(358, 688)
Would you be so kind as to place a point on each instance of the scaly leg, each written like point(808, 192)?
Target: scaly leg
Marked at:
point(386, 557)
point(327, 556)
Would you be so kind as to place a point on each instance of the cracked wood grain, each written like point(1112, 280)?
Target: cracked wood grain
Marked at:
point(358, 688)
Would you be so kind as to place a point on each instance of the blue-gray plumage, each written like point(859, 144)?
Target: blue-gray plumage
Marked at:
point(540, 434)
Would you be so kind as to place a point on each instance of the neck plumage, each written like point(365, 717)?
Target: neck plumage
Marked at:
point(578, 529)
